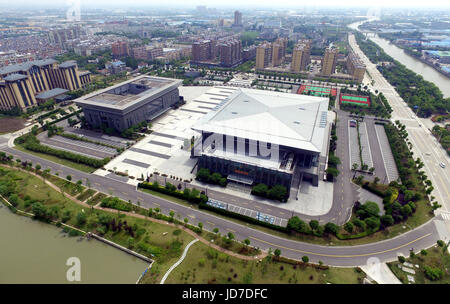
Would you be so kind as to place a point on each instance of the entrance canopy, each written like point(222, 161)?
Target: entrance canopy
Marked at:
point(240, 179)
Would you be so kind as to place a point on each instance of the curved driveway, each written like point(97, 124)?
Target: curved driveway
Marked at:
point(419, 238)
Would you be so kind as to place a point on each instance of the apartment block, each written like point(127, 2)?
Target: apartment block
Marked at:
point(20, 83)
point(263, 55)
point(355, 67)
point(301, 56)
point(329, 61)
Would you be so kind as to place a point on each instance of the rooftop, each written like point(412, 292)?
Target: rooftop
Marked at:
point(51, 93)
point(286, 119)
point(14, 68)
point(128, 93)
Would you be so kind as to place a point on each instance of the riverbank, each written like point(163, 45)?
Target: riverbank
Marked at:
point(36, 253)
point(408, 52)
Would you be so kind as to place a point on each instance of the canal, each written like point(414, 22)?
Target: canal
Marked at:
point(427, 72)
point(35, 252)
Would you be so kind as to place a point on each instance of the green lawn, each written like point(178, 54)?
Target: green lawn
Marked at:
point(57, 160)
point(204, 265)
point(86, 194)
point(434, 258)
point(96, 199)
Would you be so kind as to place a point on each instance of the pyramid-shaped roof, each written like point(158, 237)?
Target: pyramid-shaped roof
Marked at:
point(291, 120)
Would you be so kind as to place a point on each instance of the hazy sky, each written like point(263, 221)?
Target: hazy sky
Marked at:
point(235, 3)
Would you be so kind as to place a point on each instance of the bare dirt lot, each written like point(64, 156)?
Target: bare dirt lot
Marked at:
point(11, 124)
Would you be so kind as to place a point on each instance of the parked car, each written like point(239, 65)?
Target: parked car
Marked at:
point(442, 165)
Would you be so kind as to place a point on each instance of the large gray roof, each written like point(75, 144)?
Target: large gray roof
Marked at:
point(51, 93)
point(286, 119)
point(14, 68)
point(14, 77)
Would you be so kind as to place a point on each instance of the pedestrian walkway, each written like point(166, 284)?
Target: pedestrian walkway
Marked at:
point(179, 261)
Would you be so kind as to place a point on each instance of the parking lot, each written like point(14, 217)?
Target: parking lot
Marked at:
point(365, 147)
point(77, 146)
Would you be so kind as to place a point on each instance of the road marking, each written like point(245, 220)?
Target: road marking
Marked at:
point(191, 216)
point(210, 223)
point(230, 230)
point(257, 207)
point(140, 198)
point(124, 193)
point(344, 256)
point(157, 204)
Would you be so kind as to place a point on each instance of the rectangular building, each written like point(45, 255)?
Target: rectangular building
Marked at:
point(329, 61)
point(263, 55)
point(257, 136)
point(301, 56)
point(128, 103)
point(355, 67)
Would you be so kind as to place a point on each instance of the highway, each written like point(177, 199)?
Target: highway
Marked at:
point(425, 145)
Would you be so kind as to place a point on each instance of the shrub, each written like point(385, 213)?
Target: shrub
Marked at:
point(433, 274)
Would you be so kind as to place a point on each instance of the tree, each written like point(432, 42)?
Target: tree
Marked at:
point(69, 178)
point(423, 252)
point(81, 218)
point(305, 259)
point(349, 227)
point(200, 225)
point(401, 259)
point(38, 167)
point(230, 236)
point(277, 252)
point(296, 224)
point(247, 242)
point(331, 228)
point(372, 222)
point(186, 220)
point(314, 224)
point(354, 166)
point(387, 220)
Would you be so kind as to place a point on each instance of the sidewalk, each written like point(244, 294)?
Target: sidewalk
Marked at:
point(380, 273)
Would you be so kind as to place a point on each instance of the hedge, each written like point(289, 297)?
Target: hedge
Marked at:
point(175, 193)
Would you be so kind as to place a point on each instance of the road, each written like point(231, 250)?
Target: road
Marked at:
point(422, 237)
point(424, 143)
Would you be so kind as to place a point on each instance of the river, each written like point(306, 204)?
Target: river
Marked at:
point(35, 252)
point(427, 72)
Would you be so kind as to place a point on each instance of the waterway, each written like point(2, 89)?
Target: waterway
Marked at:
point(35, 252)
point(427, 72)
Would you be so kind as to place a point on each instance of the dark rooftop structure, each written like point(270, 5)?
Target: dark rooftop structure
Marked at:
point(130, 102)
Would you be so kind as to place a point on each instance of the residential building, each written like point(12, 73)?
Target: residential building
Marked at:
point(263, 55)
point(355, 67)
point(237, 18)
point(301, 56)
point(20, 83)
point(329, 61)
point(120, 49)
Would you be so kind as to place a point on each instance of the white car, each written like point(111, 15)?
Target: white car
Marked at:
point(442, 165)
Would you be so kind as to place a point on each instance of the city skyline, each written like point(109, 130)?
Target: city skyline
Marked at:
point(232, 4)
